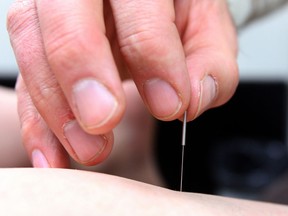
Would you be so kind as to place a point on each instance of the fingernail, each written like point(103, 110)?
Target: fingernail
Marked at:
point(161, 97)
point(207, 94)
point(86, 147)
point(95, 103)
point(39, 160)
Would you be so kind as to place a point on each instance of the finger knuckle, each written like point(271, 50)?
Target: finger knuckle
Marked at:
point(51, 102)
point(19, 15)
point(46, 94)
point(63, 50)
point(30, 120)
point(142, 41)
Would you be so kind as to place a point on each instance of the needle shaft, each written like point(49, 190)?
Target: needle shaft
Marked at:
point(183, 148)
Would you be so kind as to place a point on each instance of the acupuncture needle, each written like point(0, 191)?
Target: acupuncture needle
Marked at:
point(183, 148)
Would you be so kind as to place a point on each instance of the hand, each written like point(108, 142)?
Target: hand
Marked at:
point(181, 55)
point(133, 155)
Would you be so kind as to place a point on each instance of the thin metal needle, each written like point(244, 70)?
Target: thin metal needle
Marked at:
point(183, 148)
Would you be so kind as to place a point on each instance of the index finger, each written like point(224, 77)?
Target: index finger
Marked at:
point(79, 54)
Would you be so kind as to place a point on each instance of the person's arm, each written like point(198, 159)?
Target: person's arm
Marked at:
point(70, 192)
point(245, 11)
point(12, 153)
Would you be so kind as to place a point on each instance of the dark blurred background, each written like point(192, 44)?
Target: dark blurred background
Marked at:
point(237, 150)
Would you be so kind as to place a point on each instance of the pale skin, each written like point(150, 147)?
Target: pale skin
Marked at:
point(181, 55)
point(71, 192)
point(27, 191)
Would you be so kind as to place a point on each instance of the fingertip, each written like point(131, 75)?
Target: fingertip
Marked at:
point(46, 151)
point(214, 89)
point(97, 108)
point(41, 144)
point(39, 160)
point(162, 99)
point(104, 154)
point(208, 94)
point(85, 148)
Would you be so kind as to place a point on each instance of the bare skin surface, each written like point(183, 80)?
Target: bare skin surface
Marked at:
point(73, 192)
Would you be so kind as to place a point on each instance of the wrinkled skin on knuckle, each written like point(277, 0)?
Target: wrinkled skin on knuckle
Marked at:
point(52, 95)
point(19, 14)
point(30, 121)
point(139, 45)
point(45, 93)
point(149, 44)
point(71, 42)
point(50, 101)
point(208, 23)
point(23, 28)
point(28, 115)
point(65, 50)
